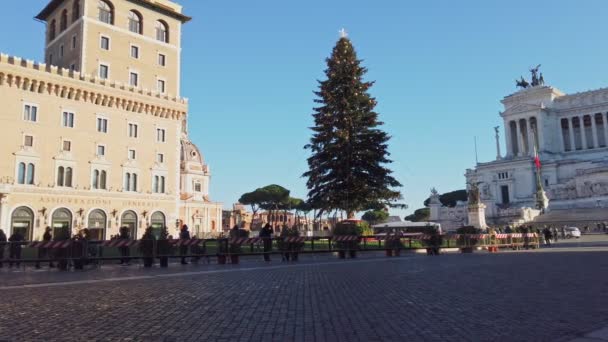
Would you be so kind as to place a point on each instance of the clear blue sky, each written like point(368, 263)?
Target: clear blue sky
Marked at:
point(440, 66)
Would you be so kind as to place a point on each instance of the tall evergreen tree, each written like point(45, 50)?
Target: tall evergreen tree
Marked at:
point(347, 166)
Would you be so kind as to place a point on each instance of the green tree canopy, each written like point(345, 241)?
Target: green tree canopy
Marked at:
point(349, 151)
point(375, 216)
point(449, 199)
point(419, 215)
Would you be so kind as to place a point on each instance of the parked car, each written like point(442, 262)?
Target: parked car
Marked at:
point(572, 232)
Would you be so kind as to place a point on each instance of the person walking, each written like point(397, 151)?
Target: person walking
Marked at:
point(548, 236)
point(184, 234)
point(555, 234)
point(43, 252)
point(266, 235)
point(15, 249)
point(2, 245)
point(124, 250)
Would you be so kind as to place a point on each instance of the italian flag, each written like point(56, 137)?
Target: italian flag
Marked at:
point(536, 158)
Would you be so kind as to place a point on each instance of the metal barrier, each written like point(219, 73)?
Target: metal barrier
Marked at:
point(80, 252)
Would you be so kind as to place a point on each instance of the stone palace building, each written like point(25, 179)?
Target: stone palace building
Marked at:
point(96, 137)
point(571, 132)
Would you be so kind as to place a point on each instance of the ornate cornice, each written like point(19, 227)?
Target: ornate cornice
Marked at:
point(51, 80)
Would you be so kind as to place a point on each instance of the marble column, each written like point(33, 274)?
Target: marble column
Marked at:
point(561, 134)
point(4, 217)
point(508, 138)
point(594, 131)
point(604, 118)
point(571, 131)
point(520, 139)
point(582, 128)
point(531, 141)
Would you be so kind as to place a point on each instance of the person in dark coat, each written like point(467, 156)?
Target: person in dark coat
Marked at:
point(43, 253)
point(124, 251)
point(184, 234)
point(266, 234)
point(15, 249)
point(2, 245)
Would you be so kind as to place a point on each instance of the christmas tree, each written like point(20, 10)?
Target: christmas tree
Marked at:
point(347, 166)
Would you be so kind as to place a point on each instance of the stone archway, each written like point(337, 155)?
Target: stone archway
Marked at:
point(22, 221)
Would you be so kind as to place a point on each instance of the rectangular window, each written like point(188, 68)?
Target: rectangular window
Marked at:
point(504, 192)
point(68, 119)
point(162, 59)
point(160, 86)
point(30, 113)
point(73, 42)
point(104, 43)
point(104, 71)
point(67, 146)
point(131, 154)
point(160, 135)
point(160, 158)
point(133, 79)
point(102, 125)
point(197, 187)
point(134, 51)
point(61, 51)
point(132, 130)
point(28, 141)
point(101, 150)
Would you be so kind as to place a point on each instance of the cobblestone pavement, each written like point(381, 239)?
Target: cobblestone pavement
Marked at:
point(478, 297)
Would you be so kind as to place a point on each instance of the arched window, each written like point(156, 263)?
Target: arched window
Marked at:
point(22, 221)
point(61, 222)
point(97, 224)
point(128, 182)
point(68, 177)
point(106, 12)
point(157, 222)
point(162, 31)
point(63, 22)
point(155, 184)
point(102, 180)
point(129, 220)
point(162, 184)
point(135, 22)
point(30, 173)
point(21, 173)
point(75, 10)
point(96, 179)
point(134, 180)
point(52, 30)
point(60, 175)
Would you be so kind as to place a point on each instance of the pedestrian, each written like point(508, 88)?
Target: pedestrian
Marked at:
point(555, 234)
point(2, 245)
point(124, 250)
point(508, 230)
point(43, 252)
point(184, 234)
point(548, 236)
point(266, 235)
point(15, 249)
point(146, 247)
point(563, 232)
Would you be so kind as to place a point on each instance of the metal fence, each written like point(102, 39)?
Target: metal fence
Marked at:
point(78, 252)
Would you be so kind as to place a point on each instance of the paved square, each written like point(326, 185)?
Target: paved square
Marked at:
point(480, 297)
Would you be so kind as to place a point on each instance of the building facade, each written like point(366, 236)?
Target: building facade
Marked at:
point(97, 137)
point(570, 133)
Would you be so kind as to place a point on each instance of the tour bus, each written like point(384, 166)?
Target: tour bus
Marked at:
point(404, 227)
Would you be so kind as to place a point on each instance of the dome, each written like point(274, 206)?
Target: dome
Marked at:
point(190, 153)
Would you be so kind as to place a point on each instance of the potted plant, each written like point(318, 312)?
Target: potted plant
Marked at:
point(465, 241)
point(290, 249)
point(163, 248)
point(146, 247)
point(351, 228)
